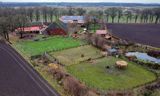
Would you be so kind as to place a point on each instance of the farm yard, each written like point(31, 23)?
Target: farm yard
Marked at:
point(147, 34)
point(88, 51)
point(76, 55)
point(84, 62)
point(96, 75)
point(31, 47)
point(87, 63)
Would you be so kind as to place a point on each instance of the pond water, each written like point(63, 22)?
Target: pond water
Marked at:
point(143, 56)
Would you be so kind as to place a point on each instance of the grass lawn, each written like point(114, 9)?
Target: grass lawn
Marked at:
point(31, 48)
point(95, 75)
point(73, 55)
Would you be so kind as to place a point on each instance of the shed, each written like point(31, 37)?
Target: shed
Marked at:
point(101, 32)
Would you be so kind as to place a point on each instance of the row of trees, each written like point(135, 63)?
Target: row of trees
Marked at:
point(11, 18)
point(148, 15)
point(114, 15)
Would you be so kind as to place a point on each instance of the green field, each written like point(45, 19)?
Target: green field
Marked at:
point(30, 47)
point(73, 55)
point(95, 75)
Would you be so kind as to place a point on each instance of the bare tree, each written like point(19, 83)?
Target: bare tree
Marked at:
point(136, 15)
point(81, 11)
point(45, 13)
point(4, 26)
point(71, 11)
point(129, 16)
point(21, 23)
point(113, 13)
point(51, 14)
point(107, 14)
point(120, 13)
point(30, 13)
point(37, 14)
point(157, 14)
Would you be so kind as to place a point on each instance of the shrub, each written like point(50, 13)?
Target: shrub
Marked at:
point(91, 93)
point(59, 75)
point(74, 87)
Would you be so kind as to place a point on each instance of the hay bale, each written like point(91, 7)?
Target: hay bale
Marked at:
point(53, 66)
point(121, 64)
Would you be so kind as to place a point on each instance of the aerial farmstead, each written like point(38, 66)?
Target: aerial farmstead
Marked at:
point(80, 51)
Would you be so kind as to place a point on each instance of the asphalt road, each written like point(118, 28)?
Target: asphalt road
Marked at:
point(17, 78)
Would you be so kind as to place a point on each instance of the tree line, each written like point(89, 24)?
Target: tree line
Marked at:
point(12, 18)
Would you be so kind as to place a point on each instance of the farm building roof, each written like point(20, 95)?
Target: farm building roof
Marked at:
point(71, 19)
point(29, 29)
point(100, 32)
point(55, 29)
point(52, 26)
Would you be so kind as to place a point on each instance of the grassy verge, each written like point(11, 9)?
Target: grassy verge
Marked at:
point(49, 78)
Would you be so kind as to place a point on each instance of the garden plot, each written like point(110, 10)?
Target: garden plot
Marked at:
point(102, 74)
point(76, 55)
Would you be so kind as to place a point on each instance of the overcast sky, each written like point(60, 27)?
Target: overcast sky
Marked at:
point(126, 1)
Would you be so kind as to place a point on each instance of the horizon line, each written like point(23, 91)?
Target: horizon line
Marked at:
point(80, 2)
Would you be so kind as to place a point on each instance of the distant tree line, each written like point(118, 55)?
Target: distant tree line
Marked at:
point(147, 15)
point(19, 17)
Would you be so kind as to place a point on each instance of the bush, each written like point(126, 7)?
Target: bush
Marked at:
point(74, 87)
point(59, 75)
point(91, 93)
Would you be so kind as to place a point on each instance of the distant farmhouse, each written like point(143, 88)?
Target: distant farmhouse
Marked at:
point(41, 28)
point(30, 29)
point(73, 19)
point(34, 27)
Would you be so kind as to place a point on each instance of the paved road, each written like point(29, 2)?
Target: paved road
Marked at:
point(17, 78)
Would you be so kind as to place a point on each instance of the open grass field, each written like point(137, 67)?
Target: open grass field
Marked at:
point(31, 48)
point(74, 55)
point(147, 34)
point(95, 75)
